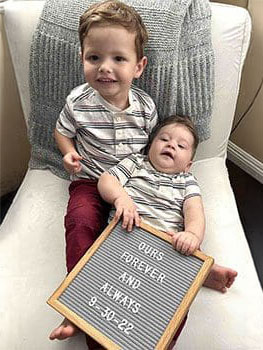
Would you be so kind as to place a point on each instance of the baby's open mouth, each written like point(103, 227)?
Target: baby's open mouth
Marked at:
point(168, 154)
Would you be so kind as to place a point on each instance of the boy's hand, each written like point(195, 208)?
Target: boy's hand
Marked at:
point(126, 208)
point(185, 242)
point(71, 161)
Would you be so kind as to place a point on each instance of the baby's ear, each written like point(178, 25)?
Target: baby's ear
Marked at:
point(188, 166)
point(140, 67)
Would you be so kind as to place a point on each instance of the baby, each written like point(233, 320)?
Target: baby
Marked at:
point(159, 188)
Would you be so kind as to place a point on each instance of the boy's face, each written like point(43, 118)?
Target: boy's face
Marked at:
point(171, 149)
point(110, 62)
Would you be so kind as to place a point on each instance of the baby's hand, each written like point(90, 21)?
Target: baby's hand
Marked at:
point(185, 242)
point(72, 163)
point(126, 208)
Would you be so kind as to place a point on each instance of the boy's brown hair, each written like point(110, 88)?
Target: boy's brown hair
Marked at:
point(113, 12)
point(175, 119)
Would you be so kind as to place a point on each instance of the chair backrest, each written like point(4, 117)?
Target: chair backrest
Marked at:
point(231, 27)
point(20, 21)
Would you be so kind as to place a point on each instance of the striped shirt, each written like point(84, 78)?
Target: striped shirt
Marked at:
point(159, 197)
point(104, 134)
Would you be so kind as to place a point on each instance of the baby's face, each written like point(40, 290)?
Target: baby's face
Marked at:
point(110, 62)
point(171, 149)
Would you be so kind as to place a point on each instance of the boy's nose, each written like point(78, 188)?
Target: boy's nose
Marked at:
point(105, 67)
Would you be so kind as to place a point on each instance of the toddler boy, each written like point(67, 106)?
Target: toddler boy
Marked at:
point(104, 120)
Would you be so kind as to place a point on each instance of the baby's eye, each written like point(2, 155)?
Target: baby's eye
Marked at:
point(164, 139)
point(181, 146)
point(119, 59)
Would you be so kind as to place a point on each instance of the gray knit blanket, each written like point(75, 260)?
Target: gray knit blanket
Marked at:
point(179, 75)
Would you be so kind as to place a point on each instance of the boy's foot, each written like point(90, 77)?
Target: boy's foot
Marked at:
point(220, 278)
point(65, 330)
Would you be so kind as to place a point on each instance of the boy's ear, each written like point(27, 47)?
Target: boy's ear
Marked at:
point(140, 67)
point(80, 55)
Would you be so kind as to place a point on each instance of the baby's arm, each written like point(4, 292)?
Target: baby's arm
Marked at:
point(190, 239)
point(112, 192)
point(71, 159)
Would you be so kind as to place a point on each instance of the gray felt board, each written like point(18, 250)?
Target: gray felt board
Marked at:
point(131, 287)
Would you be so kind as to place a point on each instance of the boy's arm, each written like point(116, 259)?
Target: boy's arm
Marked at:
point(71, 159)
point(190, 239)
point(112, 192)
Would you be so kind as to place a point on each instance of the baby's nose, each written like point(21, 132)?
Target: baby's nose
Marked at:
point(171, 145)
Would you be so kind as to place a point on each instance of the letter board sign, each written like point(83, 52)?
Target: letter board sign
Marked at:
point(131, 290)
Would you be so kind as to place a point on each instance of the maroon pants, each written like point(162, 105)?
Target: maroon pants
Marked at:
point(86, 217)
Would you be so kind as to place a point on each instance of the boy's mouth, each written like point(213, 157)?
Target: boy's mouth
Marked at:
point(106, 80)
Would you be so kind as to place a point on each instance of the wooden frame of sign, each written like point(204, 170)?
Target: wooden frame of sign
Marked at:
point(131, 290)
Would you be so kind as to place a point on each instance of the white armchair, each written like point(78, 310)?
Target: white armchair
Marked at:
point(32, 262)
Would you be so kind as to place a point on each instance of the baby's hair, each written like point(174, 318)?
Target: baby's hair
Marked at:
point(175, 119)
point(113, 12)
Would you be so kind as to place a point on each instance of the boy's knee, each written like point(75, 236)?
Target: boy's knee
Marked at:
point(78, 220)
point(81, 218)
point(78, 214)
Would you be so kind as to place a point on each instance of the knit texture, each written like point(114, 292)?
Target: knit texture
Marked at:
point(179, 75)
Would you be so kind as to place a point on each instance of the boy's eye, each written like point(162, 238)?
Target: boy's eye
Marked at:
point(164, 139)
point(93, 58)
point(181, 146)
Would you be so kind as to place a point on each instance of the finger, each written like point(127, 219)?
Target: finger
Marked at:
point(169, 233)
point(115, 219)
point(178, 245)
point(118, 214)
point(174, 241)
point(184, 248)
point(75, 163)
point(78, 168)
point(193, 247)
point(125, 220)
point(137, 219)
point(190, 247)
point(76, 157)
point(68, 168)
point(130, 225)
point(188, 251)
point(181, 244)
point(130, 218)
point(71, 161)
